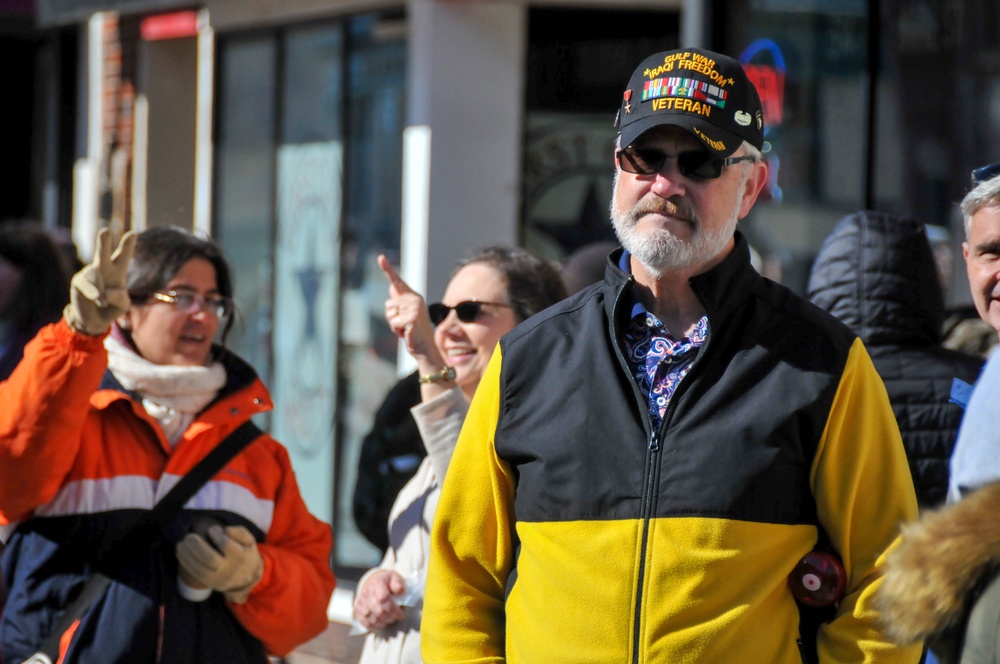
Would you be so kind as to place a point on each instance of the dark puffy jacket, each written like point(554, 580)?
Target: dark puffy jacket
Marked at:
point(876, 273)
point(390, 455)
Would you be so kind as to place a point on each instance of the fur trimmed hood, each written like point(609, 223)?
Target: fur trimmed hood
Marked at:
point(937, 564)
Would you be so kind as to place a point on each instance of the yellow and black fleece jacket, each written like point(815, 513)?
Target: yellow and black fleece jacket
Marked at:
point(569, 531)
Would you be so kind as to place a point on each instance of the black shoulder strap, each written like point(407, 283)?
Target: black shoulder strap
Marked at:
point(140, 535)
point(206, 469)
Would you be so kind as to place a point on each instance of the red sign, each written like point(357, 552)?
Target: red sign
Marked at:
point(770, 85)
point(169, 26)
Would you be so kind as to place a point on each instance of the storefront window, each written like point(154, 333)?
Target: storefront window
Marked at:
point(941, 74)
point(302, 224)
point(907, 147)
point(810, 67)
point(307, 258)
point(244, 188)
point(373, 193)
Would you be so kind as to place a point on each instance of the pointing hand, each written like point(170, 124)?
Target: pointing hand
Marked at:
point(407, 316)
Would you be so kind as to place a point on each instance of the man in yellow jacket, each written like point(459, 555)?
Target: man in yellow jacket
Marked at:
point(645, 463)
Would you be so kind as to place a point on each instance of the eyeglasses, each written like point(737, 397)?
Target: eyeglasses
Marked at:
point(984, 173)
point(468, 311)
point(693, 164)
point(189, 302)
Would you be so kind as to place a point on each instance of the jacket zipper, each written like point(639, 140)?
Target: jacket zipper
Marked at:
point(648, 490)
point(652, 452)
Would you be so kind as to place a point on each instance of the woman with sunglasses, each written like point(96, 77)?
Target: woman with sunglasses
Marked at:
point(108, 409)
point(452, 342)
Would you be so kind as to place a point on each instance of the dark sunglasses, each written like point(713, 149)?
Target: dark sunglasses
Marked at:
point(467, 312)
point(693, 164)
point(984, 173)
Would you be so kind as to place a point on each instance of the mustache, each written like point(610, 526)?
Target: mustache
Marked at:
point(679, 209)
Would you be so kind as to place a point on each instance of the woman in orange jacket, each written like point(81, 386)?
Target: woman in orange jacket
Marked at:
point(109, 408)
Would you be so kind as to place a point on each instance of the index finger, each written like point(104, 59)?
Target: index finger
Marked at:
point(102, 248)
point(395, 280)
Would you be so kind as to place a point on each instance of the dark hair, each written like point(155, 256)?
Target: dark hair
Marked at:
point(533, 283)
point(163, 250)
point(44, 289)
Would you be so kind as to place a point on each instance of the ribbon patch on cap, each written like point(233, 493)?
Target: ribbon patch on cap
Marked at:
point(689, 88)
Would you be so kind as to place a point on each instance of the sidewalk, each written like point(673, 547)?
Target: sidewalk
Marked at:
point(333, 646)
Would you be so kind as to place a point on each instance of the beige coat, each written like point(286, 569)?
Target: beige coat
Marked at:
point(439, 421)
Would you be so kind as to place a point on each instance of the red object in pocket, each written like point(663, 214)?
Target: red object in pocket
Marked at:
point(818, 579)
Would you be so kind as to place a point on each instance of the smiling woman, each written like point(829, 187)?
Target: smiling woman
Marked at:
point(138, 389)
point(452, 342)
point(175, 268)
point(466, 345)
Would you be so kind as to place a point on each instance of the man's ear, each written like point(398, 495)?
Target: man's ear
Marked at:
point(754, 185)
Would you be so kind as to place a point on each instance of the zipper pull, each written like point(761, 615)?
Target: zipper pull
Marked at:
point(654, 444)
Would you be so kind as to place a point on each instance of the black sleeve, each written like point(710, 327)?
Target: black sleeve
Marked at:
point(390, 455)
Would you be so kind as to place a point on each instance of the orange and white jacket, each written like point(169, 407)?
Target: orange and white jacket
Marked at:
point(80, 460)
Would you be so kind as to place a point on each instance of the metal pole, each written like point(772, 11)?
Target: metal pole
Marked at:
point(874, 51)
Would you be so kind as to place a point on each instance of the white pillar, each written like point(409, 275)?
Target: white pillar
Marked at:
point(416, 221)
point(86, 169)
point(203, 126)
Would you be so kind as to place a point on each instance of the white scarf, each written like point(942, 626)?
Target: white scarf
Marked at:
point(173, 395)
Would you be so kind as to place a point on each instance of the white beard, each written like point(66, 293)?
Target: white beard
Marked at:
point(660, 250)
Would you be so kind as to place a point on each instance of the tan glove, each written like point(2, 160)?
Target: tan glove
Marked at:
point(229, 563)
point(98, 294)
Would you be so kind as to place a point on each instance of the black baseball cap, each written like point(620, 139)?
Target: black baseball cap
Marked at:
point(704, 92)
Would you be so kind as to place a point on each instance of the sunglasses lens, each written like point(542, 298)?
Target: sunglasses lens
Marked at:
point(641, 161)
point(468, 312)
point(695, 164)
point(438, 312)
point(699, 164)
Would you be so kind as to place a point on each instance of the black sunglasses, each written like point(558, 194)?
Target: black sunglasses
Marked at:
point(984, 173)
point(693, 164)
point(467, 311)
